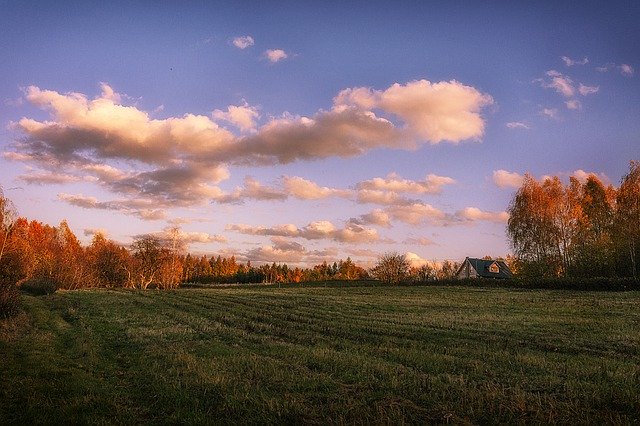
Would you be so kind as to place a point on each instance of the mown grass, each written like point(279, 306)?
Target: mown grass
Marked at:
point(323, 355)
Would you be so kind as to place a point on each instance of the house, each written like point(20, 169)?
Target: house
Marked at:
point(480, 268)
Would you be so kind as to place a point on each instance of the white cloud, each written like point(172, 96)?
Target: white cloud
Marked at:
point(416, 261)
point(109, 130)
point(90, 232)
point(505, 179)
point(243, 42)
point(18, 156)
point(416, 214)
point(190, 237)
point(307, 190)
point(276, 55)
point(48, 178)
point(242, 116)
point(422, 241)
point(280, 251)
point(109, 93)
point(626, 69)
point(582, 176)
point(551, 113)
point(290, 252)
point(571, 62)
point(432, 111)
point(376, 217)
point(588, 90)
point(518, 125)
point(383, 198)
point(432, 184)
point(347, 133)
point(559, 82)
point(475, 214)
point(140, 208)
point(288, 230)
point(252, 190)
point(176, 161)
point(573, 104)
point(90, 131)
point(319, 230)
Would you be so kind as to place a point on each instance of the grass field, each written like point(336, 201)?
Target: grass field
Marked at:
point(323, 355)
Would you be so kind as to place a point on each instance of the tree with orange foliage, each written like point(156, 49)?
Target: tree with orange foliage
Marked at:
point(109, 263)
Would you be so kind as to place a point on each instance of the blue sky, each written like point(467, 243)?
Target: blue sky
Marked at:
point(324, 131)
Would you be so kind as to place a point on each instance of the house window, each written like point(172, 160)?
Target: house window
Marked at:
point(494, 269)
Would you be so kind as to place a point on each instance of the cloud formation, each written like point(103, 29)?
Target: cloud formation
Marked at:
point(518, 125)
point(178, 161)
point(48, 178)
point(252, 190)
point(565, 86)
point(588, 90)
point(551, 113)
point(141, 208)
point(573, 104)
point(624, 69)
point(422, 241)
point(376, 217)
point(291, 252)
point(473, 214)
point(319, 230)
point(571, 62)
point(90, 232)
point(432, 184)
point(242, 42)
point(276, 55)
point(417, 213)
point(431, 111)
point(304, 189)
point(505, 179)
point(242, 116)
point(189, 237)
point(582, 176)
point(559, 82)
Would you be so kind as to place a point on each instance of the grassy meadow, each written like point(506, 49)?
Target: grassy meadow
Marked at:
point(367, 354)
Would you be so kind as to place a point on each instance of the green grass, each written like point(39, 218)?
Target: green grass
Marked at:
point(322, 355)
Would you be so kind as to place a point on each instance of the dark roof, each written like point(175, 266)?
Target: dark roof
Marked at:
point(482, 267)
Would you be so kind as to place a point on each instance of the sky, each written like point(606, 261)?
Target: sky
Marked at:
point(307, 131)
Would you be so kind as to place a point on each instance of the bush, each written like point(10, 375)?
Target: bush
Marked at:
point(39, 286)
point(9, 300)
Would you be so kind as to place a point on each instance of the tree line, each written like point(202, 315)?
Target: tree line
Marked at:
point(51, 257)
point(577, 230)
point(37, 252)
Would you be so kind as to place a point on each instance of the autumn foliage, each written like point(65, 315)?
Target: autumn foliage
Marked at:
point(579, 229)
point(41, 259)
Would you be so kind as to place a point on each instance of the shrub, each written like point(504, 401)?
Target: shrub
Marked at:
point(9, 300)
point(39, 286)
